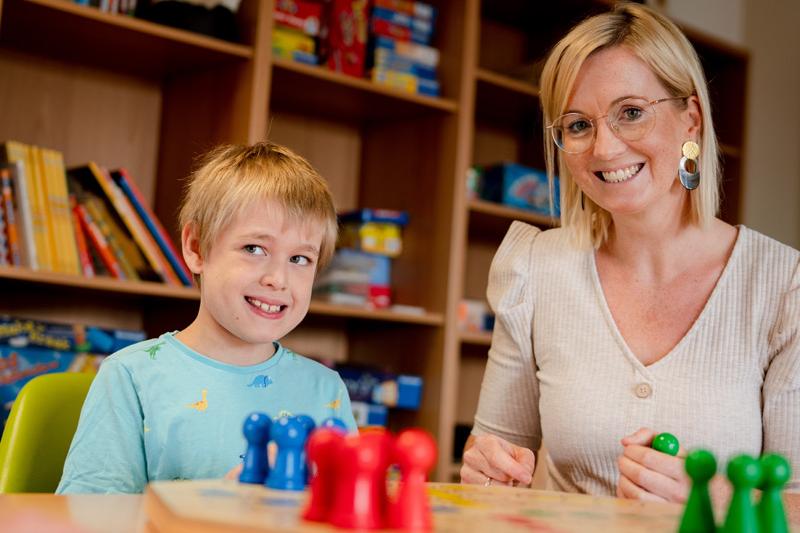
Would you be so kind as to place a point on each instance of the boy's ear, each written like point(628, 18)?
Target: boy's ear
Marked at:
point(190, 244)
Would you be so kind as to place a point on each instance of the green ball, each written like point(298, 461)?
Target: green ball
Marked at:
point(744, 471)
point(775, 471)
point(666, 443)
point(700, 465)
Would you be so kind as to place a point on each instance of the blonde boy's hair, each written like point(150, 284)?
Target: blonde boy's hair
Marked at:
point(232, 177)
point(661, 45)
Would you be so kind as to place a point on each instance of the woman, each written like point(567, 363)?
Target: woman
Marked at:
point(644, 312)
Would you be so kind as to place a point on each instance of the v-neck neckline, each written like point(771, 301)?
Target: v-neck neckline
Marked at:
point(617, 334)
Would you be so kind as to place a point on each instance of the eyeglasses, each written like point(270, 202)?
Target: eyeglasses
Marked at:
point(630, 120)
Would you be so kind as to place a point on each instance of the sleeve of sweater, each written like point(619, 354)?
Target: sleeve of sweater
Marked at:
point(781, 391)
point(509, 399)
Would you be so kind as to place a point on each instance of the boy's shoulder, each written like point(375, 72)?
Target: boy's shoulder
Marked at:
point(141, 351)
point(306, 364)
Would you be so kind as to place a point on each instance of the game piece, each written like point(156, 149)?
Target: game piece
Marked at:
point(255, 464)
point(666, 443)
point(322, 449)
point(415, 453)
point(360, 494)
point(744, 472)
point(333, 422)
point(698, 515)
point(289, 471)
point(775, 472)
point(309, 425)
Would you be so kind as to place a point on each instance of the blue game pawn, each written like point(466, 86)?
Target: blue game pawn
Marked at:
point(334, 423)
point(289, 471)
point(309, 424)
point(255, 465)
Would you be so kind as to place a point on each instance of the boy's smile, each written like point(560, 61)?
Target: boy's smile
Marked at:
point(256, 282)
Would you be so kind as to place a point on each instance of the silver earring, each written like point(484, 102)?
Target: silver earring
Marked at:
point(689, 169)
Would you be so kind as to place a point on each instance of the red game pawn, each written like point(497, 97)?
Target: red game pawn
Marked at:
point(322, 449)
point(360, 491)
point(415, 453)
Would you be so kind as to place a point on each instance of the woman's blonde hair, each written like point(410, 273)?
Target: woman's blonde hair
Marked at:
point(232, 177)
point(663, 47)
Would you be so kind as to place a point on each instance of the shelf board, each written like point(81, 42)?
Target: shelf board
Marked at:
point(150, 289)
point(481, 338)
point(495, 210)
point(100, 283)
point(86, 35)
point(316, 90)
point(386, 315)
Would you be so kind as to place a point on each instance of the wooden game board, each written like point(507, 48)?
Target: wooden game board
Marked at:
point(227, 506)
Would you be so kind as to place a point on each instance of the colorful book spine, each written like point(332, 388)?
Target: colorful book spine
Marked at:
point(99, 242)
point(85, 258)
point(4, 259)
point(41, 215)
point(16, 156)
point(15, 254)
point(62, 235)
point(115, 239)
point(150, 219)
point(134, 225)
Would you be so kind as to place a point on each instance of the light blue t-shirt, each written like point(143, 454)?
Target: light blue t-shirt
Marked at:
point(158, 410)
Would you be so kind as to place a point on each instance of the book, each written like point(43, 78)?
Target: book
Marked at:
point(4, 254)
point(84, 256)
point(137, 229)
point(115, 214)
point(16, 154)
point(150, 220)
point(61, 233)
point(98, 242)
point(125, 252)
point(22, 213)
point(10, 216)
point(41, 213)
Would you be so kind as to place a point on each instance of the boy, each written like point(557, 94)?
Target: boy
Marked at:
point(257, 223)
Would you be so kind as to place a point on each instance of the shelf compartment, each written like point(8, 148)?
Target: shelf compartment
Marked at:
point(319, 91)
point(506, 100)
point(69, 31)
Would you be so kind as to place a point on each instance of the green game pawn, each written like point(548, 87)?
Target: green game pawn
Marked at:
point(666, 443)
point(698, 515)
point(775, 473)
point(744, 472)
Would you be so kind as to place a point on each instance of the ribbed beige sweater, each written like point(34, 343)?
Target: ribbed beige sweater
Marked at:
point(560, 371)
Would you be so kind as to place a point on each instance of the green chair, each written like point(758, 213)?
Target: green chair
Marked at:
point(39, 431)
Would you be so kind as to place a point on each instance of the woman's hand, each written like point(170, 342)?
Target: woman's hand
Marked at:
point(646, 474)
point(489, 459)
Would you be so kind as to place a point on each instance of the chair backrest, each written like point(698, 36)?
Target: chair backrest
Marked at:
point(39, 430)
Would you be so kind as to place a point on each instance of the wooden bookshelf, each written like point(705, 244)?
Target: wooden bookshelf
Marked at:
point(129, 93)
